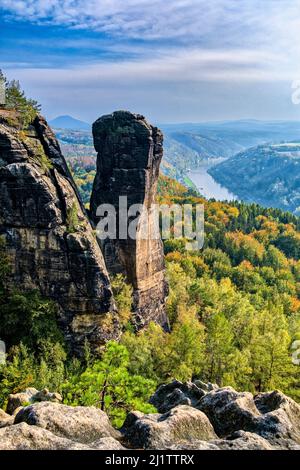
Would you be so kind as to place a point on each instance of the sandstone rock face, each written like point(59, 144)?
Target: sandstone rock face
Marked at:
point(82, 424)
point(155, 431)
point(49, 239)
point(129, 155)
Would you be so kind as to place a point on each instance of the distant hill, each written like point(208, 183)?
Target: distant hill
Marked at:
point(68, 122)
point(266, 174)
point(245, 133)
point(188, 144)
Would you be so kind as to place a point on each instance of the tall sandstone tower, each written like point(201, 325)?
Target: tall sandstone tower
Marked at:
point(129, 155)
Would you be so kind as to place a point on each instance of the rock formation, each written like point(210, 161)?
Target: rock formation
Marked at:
point(216, 419)
point(30, 395)
point(182, 423)
point(25, 437)
point(52, 426)
point(84, 424)
point(268, 420)
point(48, 237)
point(129, 155)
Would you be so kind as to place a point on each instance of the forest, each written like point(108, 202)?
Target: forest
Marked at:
point(234, 310)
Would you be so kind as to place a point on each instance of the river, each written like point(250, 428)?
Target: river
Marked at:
point(208, 186)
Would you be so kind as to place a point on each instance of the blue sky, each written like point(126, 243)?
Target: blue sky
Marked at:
point(172, 60)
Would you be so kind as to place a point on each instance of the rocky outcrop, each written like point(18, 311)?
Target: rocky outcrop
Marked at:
point(222, 419)
point(50, 242)
point(230, 411)
point(53, 426)
point(273, 416)
point(25, 437)
point(239, 441)
point(241, 420)
point(30, 395)
point(5, 419)
point(82, 424)
point(155, 431)
point(177, 393)
point(129, 155)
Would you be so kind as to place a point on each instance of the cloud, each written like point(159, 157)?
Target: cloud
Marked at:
point(188, 65)
point(140, 27)
point(180, 51)
point(160, 19)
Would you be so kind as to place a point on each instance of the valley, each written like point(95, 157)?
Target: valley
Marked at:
point(222, 160)
point(267, 174)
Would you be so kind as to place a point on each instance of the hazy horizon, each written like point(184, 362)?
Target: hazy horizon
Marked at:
point(186, 123)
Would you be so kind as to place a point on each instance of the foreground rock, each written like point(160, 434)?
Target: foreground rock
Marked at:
point(5, 419)
point(24, 437)
point(214, 419)
point(49, 239)
point(230, 411)
point(271, 415)
point(81, 424)
point(129, 155)
point(177, 393)
point(239, 441)
point(241, 421)
point(156, 431)
point(30, 395)
point(280, 417)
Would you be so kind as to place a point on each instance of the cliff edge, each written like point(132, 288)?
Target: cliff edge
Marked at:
point(49, 239)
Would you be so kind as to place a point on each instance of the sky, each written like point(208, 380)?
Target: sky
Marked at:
point(171, 60)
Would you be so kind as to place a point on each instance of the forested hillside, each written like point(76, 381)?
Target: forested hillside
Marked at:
point(267, 174)
point(234, 309)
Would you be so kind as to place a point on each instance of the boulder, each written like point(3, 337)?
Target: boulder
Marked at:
point(280, 417)
point(194, 445)
point(5, 419)
point(272, 415)
point(107, 443)
point(28, 396)
point(81, 424)
point(242, 440)
point(206, 387)
point(230, 411)
point(176, 393)
point(160, 431)
point(25, 437)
